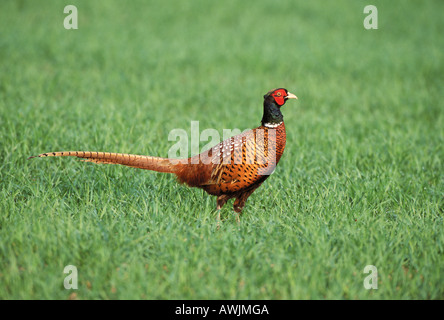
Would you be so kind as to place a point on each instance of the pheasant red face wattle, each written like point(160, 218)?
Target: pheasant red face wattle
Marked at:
point(281, 95)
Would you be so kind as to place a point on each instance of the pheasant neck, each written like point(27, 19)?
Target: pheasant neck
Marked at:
point(272, 114)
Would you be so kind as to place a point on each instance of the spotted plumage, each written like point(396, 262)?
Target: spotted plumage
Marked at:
point(234, 168)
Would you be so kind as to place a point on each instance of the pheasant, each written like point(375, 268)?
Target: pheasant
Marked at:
point(234, 168)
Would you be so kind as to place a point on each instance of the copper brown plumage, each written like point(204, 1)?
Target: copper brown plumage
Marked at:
point(234, 168)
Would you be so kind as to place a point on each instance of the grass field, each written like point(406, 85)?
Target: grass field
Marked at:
point(361, 181)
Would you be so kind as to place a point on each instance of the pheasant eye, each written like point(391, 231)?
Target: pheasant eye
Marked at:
point(278, 94)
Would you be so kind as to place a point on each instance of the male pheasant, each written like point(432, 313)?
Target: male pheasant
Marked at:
point(234, 168)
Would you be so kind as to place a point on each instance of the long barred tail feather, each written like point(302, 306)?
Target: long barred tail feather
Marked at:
point(130, 160)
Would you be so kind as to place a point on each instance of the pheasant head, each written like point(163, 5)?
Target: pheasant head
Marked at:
point(273, 101)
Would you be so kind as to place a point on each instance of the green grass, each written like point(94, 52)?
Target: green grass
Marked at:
point(361, 181)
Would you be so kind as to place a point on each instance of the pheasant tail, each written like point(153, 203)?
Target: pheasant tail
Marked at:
point(129, 160)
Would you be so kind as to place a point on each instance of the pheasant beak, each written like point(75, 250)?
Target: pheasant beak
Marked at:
point(291, 96)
